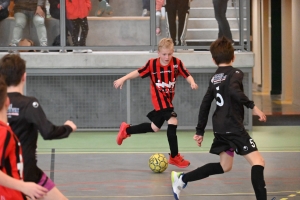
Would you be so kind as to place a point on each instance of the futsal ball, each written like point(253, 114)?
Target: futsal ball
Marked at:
point(158, 163)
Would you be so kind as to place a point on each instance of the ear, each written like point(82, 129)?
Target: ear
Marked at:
point(23, 77)
point(7, 102)
point(233, 59)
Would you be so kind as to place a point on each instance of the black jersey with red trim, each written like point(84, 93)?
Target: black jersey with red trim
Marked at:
point(162, 80)
point(10, 161)
point(227, 89)
point(26, 117)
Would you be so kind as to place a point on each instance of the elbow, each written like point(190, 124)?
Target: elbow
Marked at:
point(47, 137)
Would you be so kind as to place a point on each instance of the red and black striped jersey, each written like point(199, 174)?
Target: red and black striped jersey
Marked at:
point(11, 162)
point(162, 80)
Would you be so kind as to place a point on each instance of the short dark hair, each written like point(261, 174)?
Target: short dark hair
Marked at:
point(222, 50)
point(12, 68)
point(3, 92)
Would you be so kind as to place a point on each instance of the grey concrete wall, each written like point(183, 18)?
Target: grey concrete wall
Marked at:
point(121, 7)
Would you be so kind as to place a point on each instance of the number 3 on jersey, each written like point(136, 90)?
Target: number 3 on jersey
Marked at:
point(221, 102)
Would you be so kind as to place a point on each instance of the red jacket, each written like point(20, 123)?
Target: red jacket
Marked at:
point(78, 8)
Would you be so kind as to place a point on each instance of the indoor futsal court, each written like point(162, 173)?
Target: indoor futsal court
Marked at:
point(90, 165)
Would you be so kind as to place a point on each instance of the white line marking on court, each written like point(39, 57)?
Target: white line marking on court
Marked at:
point(166, 195)
point(132, 152)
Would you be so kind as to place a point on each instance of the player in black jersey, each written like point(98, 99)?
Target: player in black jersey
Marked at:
point(26, 117)
point(11, 165)
point(226, 88)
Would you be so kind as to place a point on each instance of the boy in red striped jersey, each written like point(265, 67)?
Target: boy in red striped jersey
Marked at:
point(12, 186)
point(163, 72)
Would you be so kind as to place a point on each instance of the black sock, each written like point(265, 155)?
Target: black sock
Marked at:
point(172, 138)
point(203, 172)
point(258, 182)
point(141, 128)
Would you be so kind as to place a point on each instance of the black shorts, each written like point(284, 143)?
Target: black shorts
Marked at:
point(240, 142)
point(159, 117)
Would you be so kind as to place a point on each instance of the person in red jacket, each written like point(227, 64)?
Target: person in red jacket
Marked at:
point(77, 12)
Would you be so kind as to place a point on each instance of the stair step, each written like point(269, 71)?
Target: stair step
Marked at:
point(212, 23)
point(210, 13)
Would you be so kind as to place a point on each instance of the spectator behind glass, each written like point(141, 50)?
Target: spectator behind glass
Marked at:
point(103, 7)
point(77, 12)
point(181, 9)
point(220, 8)
point(146, 8)
point(33, 10)
point(55, 13)
point(159, 4)
point(4, 9)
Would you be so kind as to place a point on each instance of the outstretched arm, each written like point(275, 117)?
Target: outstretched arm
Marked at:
point(191, 81)
point(35, 115)
point(119, 82)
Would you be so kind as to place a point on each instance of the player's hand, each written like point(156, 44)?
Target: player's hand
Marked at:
point(34, 191)
point(118, 83)
point(70, 123)
point(198, 139)
point(39, 11)
point(260, 114)
point(1, 7)
point(194, 86)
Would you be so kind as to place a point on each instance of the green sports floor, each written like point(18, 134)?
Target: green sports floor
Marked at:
point(90, 165)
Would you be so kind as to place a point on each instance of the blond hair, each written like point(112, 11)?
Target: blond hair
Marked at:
point(165, 43)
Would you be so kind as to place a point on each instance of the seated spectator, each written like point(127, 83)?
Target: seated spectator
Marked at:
point(4, 9)
point(35, 11)
point(77, 12)
point(55, 13)
point(146, 8)
point(103, 8)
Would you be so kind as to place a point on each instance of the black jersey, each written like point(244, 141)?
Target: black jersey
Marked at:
point(26, 118)
point(227, 89)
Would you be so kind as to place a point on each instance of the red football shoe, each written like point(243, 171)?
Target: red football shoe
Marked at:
point(179, 161)
point(122, 135)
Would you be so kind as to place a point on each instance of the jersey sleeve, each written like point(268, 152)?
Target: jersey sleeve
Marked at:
point(4, 140)
point(35, 115)
point(145, 70)
point(182, 70)
point(204, 111)
point(237, 91)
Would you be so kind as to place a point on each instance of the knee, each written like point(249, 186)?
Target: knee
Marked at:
point(20, 22)
point(37, 20)
point(226, 167)
point(154, 127)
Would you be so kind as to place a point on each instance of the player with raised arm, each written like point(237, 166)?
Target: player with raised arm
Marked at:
point(27, 118)
point(163, 72)
point(230, 136)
